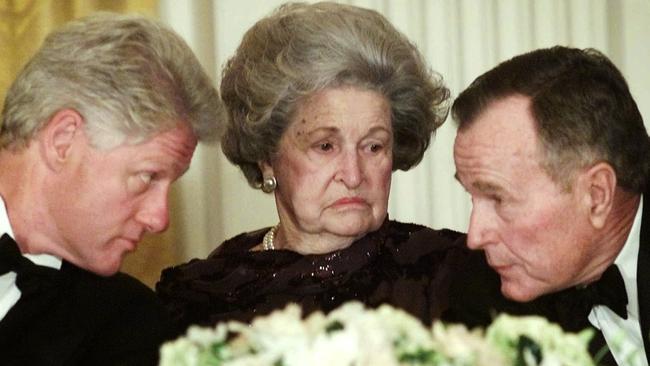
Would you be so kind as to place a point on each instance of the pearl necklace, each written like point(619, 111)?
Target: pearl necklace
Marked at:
point(269, 238)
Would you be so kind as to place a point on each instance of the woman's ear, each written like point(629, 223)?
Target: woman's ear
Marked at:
point(57, 137)
point(266, 168)
point(599, 186)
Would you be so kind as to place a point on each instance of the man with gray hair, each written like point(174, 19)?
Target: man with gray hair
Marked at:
point(95, 129)
point(553, 150)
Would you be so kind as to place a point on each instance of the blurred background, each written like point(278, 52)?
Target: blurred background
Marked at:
point(460, 38)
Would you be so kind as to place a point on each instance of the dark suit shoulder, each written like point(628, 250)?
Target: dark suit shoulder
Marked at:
point(79, 318)
point(475, 293)
point(124, 320)
point(110, 290)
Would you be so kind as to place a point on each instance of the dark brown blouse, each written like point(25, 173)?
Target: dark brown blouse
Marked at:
point(405, 265)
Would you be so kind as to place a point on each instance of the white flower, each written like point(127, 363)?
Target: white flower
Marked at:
point(466, 347)
point(353, 335)
point(557, 347)
point(192, 349)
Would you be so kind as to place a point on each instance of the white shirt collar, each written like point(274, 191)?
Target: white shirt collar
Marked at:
point(624, 335)
point(5, 226)
point(47, 260)
point(627, 259)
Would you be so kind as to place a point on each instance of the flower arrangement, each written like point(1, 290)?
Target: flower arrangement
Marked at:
point(357, 336)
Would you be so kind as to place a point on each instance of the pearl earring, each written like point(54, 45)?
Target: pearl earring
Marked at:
point(269, 184)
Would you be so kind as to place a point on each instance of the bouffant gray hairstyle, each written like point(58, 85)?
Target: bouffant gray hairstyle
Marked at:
point(300, 49)
point(129, 77)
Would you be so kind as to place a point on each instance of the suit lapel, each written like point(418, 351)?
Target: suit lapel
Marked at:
point(643, 275)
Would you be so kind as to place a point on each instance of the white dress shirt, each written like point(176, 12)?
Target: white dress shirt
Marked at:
point(623, 336)
point(9, 292)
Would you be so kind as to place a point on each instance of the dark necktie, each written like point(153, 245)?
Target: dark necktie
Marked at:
point(609, 290)
point(30, 277)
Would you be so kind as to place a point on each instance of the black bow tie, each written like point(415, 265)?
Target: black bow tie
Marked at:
point(30, 276)
point(609, 290)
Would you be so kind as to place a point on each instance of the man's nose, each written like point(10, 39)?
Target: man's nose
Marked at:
point(154, 212)
point(481, 231)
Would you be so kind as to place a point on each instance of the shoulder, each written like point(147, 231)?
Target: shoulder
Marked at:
point(240, 243)
point(226, 256)
point(474, 294)
point(111, 310)
point(219, 261)
point(111, 290)
point(410, 241)
point(415, 231)
point(192, 291)
point(117, 296)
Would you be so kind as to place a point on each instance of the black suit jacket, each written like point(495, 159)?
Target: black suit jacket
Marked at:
point(85, 319)
point(475, 296)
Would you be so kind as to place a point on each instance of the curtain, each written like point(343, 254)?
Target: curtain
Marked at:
point(25, 23)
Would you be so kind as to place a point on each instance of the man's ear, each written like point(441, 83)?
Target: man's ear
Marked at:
point(58, 135)
point(599, 186)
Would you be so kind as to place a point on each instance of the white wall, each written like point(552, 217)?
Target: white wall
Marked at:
point(460, 38)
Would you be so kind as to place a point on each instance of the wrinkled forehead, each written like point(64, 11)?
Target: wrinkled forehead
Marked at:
point(342, 108)
point(501, 141)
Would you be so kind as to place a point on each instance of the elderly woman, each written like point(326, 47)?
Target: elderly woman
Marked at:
point(325, 101)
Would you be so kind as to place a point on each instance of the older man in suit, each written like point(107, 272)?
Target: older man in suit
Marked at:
point(552, 148)
point(95, 129)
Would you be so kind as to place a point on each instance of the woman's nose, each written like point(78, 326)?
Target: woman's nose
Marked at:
point(350, 170)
